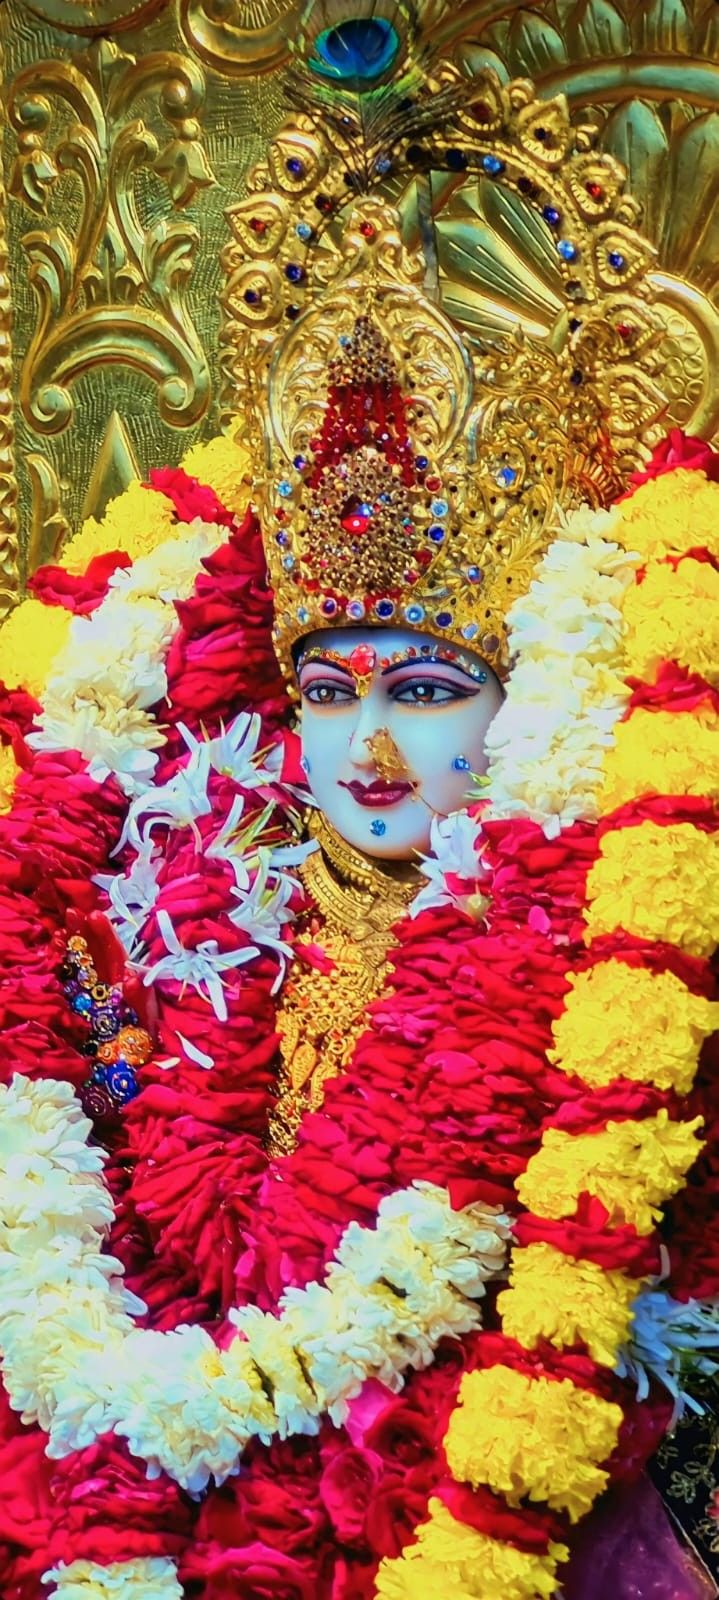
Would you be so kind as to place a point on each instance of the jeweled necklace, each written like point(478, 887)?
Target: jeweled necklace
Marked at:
point(323, 1013)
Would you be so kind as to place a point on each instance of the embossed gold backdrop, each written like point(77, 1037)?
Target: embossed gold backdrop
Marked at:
point(130, 128)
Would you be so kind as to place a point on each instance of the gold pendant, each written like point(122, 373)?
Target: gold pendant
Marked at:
point(323, 1013)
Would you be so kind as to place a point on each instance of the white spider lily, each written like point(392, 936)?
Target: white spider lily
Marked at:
point(455, 853)
point(674, 1342)
point(233, 752)
point(201, 968)
point(263, 910)
point(132, 895)
point(176, 804)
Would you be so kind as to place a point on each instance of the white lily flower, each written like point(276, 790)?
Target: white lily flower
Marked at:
point(263, 910)
point(455, 852)
point(201, 968)
point(132, 894)
point(232, 752)
point(176, 804)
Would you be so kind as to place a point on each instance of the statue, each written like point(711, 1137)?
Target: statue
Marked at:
point(358, 1124)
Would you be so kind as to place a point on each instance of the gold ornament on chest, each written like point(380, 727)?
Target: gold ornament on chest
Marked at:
point(324, 1011)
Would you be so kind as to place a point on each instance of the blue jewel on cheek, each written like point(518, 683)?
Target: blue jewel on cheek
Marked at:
point(378, 828)
point(460, 764)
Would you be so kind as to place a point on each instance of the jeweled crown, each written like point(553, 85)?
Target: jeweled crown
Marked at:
point(411, 475)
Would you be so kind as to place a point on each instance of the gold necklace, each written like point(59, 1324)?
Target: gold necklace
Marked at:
point(323, 1013)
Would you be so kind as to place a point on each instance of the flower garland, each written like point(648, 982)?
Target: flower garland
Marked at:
point(538, 896)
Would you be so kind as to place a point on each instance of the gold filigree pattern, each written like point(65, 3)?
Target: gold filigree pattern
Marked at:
point(9, 575)
point(323, 1012)
point(111, 291)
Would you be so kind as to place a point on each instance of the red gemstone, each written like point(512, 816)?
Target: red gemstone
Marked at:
point(595, 191)
point(355, 523)
point(481, 111)
point(625, 330)
point(363, 660)
point(258, 225)
point(432, 484)
point(423, 558)
point(367, 229)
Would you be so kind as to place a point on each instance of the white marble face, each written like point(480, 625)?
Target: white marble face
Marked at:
point(436, 715)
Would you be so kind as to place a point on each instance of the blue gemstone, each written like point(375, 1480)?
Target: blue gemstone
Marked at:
point(355, 610)
point(122, 1083)
point(365, 509)
point(328, 607)
point(443, 619)
point(460, 764)
point(294, 272)
point(492, 165)
point(507, 476)
point(304, 232)
point(475, 574)
point(386, 498)
point(421, 463)
point(288, 563)
point(377, 828)
point(345, 340)
point(82, 1004)
point(385, 608)
point(436, 533)
point(482, 677)
point(300, 463)
point(303, 614)
point(616, 260)
point(284, 488)
point(551, 215)
point(439, 508)
point(282, 539)
point(414, 614)
point(383, 165)
point(470, 631)
point(360, 49)
point(251, 296)
point(295, 167)
point(567, 250)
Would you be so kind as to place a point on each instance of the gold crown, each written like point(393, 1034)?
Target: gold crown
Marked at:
point(410, 477)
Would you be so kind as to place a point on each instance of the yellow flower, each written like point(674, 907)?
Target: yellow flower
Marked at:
point(31, 639)
point(8, 773)
point(451, 1561)
point(557, 1297)
point(136, 521)
point(539, 1437)
point(657, 883)
point(673, 616)
point(224, 465)
point(676, 512)
point(613, 1009)
point(662, 752)
point(632, 1167)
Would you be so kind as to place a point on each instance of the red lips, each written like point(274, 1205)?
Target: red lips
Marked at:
point(378, 793)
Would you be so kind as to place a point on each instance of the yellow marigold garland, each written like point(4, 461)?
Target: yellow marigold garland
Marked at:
point(8, 773)
point(225, 466)
point(557, 1297)
point(659, 752)
point(136, 521)
point(674, 513)
point(674, 616)
point(632, 1167)
point(658, 882)
point(451, 1561)
point(30, 640)
point(539, 1437)
point(610, 1012)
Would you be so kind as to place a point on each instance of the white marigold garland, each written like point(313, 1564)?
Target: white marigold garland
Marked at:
point(75, 1362)
point(112, 669)
point(148, 1578)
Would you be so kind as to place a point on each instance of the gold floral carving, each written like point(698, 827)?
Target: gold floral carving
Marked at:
point(9, 575)
point(110, 291)
point(95, 16)
point(243, 38)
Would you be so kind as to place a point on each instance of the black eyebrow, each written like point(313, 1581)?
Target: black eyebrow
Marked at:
point(423, 662)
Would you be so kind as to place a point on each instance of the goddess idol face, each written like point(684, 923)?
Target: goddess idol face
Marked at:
point(393, 727)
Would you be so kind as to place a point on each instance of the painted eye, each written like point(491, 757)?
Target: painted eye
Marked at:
point(426, 693)
point(327, 694)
